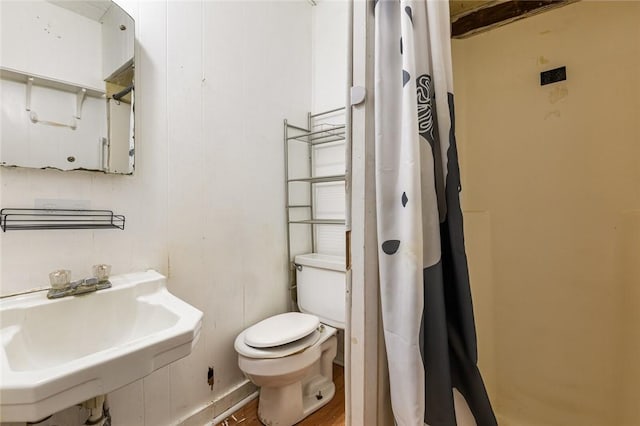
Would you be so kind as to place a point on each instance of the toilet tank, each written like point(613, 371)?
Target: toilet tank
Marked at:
point(321, 287)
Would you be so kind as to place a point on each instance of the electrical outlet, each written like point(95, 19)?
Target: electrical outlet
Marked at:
point(553, 76)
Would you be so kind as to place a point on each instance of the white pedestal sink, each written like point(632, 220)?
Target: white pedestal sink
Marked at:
point(57, 353)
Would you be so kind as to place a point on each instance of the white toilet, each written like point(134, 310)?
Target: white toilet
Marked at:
point(289, 356)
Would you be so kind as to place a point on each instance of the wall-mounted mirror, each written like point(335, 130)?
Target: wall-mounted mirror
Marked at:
point(66, 85)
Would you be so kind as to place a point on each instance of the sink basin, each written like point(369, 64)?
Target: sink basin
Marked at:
point(57, 353)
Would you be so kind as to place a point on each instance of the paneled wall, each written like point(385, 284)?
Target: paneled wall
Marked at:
point(28, 256)
point(329, 50)
point(214, 80)
point(235, 70)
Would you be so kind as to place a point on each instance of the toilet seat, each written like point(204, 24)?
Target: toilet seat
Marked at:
point(277, 351)
point(280, 330)
point(279, 336)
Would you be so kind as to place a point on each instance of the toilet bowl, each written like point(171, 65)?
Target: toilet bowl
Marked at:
point(295, 379)
point(289, 356)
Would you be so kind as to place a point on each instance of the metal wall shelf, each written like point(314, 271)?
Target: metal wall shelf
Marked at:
point(318, 137)
point(31, 219)
point(319, 179)
point(319, 221)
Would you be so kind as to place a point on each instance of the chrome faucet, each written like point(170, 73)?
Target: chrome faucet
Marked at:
point(61, 285)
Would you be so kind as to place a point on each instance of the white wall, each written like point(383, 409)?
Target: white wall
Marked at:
point(235, 71)
point(329, 54)
point(28, 256)
point(206, 203)
point(41, 38)
point(329, 50)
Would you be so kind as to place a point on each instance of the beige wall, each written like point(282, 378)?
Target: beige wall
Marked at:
point(551, 193)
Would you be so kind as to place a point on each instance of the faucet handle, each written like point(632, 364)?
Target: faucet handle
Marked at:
point(60, 279)
point(101, 272)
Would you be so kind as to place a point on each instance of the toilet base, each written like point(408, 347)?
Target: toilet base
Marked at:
point(287, 405)
point(293, 387)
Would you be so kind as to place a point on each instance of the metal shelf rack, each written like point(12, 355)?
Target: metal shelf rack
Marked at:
point(30, 219)
point(311, 137)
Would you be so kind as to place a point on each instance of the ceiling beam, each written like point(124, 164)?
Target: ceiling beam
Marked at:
point(490, 16)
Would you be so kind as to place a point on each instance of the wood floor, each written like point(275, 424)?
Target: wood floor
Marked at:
point(331, 414)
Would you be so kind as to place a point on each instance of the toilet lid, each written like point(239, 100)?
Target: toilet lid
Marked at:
point(276, 352)
point(280, 330)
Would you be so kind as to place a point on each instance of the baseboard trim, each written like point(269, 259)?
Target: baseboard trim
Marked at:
point(238, 396)
point(233, 409)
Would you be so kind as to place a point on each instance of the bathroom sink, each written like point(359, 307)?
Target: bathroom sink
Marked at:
point(57, 353)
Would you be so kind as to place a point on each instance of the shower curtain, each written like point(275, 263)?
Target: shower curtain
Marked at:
point(427, 313)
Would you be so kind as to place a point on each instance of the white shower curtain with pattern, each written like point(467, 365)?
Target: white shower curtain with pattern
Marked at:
point(427, 312)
